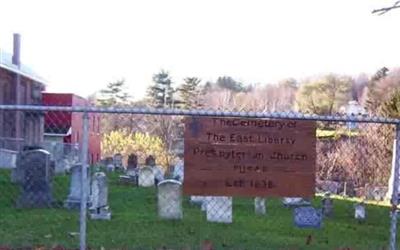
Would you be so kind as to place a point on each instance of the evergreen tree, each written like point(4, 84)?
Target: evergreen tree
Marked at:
point(189, 92)
point(114, 94)
point(161, 93)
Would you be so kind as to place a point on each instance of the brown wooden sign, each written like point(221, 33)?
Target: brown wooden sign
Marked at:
point(249, 157)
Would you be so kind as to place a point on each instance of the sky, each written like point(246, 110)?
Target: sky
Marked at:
point(79, 46)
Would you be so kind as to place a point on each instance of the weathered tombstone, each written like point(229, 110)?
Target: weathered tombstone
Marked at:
point(117, 161)
point(99, 198)
point(110, 168)
point(132, 166)
point(146, 177)
point(157, 171)
point(295, 201)
point(8, 158)
point(17, 172)
point(170, 199)
point(307, 217)
point(35, 175)
point(219, 209)
point(73, 200)
point(259, 206)
point(327, 205)
point(359, 211)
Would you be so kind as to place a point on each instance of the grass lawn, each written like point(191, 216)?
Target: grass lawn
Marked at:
point(134, 224)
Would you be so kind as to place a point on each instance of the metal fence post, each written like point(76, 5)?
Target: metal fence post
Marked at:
point(395, 191)
point(85, 152)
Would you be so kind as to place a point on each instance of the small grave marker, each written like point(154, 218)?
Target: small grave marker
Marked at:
point(170, 199)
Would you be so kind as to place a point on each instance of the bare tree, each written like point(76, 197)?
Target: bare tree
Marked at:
point(382, 11)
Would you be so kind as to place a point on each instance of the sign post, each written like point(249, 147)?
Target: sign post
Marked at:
point(249, 157)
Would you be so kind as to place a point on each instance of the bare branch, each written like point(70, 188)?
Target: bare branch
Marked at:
point(385, 10)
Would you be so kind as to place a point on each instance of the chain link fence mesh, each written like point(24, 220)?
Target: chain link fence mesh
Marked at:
point(136, 178)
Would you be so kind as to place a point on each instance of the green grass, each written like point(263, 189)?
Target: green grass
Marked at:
point(135, 225)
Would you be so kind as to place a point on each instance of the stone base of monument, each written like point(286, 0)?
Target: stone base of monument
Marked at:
point(101, 214)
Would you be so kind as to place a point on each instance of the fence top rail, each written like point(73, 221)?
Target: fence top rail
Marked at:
point(201, 112)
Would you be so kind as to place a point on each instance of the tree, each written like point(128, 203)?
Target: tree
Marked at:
point(325, 95)
point(381, 89)
point(114, 94)
point(387, 9)
point(161, 93)
point(189, 92)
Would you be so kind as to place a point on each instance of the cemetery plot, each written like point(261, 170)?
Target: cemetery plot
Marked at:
point(248, 157)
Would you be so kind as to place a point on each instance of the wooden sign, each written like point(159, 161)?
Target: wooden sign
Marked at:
point(249, 157)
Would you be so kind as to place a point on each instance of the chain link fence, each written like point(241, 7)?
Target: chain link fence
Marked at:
point(132, 193)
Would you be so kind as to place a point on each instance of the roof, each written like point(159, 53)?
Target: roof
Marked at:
point(6, 63)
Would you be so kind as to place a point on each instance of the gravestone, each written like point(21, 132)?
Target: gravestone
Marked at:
point(99, 198)
point(146, 177)
point(117, 161)
point(110, 168)
point(359, 211)
point(132, 166)
point(170, 200)
point(259, 206)
point(73, 200)
point(307, 217)
point(327, 205)
point(35, 174)
point(8, 159)
point(219, 209)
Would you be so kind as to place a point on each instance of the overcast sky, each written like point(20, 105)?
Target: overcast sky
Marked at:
point(80, 46)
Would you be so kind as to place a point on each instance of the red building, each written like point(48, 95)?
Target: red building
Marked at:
point(67, 127)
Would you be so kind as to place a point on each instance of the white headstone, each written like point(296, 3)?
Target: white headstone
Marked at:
point(110, 167)
point(170, 199)
point(146, 177)
point(259, 206)
point(8, 158)
point(219, 209)
point(99, 197)
point(359, 212)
